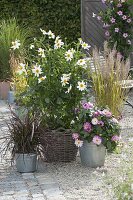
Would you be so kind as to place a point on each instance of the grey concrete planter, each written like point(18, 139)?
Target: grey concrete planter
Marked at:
point(26, 163)
point(92, 155)
point(11, 97)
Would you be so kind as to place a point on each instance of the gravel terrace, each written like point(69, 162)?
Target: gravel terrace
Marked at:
point(69, 181)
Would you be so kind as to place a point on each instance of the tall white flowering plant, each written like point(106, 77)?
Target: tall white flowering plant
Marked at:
point(55, 73)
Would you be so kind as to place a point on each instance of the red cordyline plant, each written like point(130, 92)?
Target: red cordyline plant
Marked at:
point(117, 22)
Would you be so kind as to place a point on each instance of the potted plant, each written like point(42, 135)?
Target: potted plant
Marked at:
point(23, 141)
point(55, 74)
point(95, 131)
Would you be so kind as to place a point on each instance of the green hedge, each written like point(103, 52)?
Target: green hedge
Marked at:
point(61, 16)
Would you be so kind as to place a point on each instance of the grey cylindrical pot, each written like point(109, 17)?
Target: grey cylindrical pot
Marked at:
point(26, 163)
point(11, 97)
point(92, 155)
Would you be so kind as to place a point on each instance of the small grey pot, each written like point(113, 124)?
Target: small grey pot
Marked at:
point(92, 155)
point(26, 163)
point(11, 97)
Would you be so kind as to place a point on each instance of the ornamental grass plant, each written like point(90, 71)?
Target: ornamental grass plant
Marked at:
point(107, 78)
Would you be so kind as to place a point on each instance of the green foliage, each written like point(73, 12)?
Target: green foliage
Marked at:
point(9, 32)
point(63, 17)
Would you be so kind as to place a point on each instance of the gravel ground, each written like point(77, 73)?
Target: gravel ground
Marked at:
point(75, 181)
point(82, 183)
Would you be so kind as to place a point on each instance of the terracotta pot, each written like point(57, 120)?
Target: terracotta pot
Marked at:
point(4, 89)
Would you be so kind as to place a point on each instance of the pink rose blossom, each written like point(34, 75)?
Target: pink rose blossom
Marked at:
point(129, 20)
point(115, 138)
point(75, 136)
point(97, 140)
point(125, 35)
point(120, 13)
point(87, 106)
point(116, 30)
point(107, 33)
point(112, 20)
point(124, 17)
point(87, 127)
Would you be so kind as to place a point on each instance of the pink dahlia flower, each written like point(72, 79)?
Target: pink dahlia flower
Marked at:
point(75, 136)
point(115, 138)
point(97, 140)
point(87, 127)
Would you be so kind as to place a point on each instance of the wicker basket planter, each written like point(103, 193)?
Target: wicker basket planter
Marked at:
point(58, 146)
